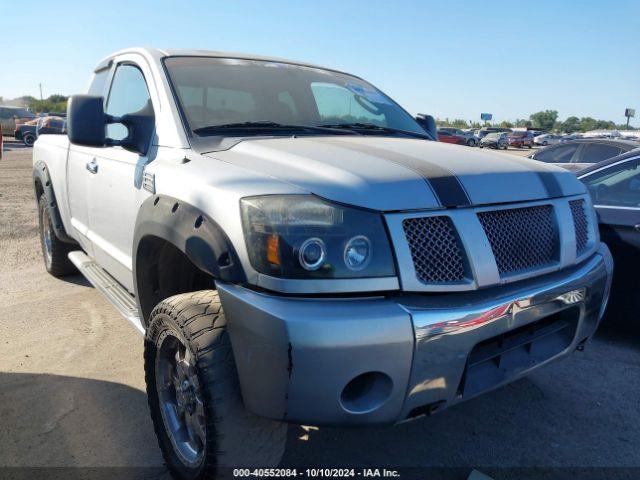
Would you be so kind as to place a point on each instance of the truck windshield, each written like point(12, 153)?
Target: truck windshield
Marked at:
point(240, 94)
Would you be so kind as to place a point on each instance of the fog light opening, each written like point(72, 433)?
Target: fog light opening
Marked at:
point(366, 392)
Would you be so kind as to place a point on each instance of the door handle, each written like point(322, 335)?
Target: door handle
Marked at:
point(92, 166)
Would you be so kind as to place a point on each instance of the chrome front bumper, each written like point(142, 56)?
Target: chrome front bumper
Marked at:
point(380, 360)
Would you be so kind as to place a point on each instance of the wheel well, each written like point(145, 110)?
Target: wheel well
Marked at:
point(162, 270)
point(39, 189)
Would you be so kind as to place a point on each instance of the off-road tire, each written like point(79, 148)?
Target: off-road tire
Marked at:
point(234, 436)
point(57, 263)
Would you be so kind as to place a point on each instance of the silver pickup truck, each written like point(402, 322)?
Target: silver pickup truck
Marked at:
point(296, 248)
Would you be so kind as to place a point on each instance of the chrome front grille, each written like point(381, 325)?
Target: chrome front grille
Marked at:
point(521, 238)
point(581, 224)
point(435, 250)
point(471, 248)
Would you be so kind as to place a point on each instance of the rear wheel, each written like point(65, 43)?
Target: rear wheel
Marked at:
point(54, 251)
point(29, 139)
point(194, 393)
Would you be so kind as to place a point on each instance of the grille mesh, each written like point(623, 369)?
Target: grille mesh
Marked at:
point(581, 224)
point(521, 238)
point(434, 247)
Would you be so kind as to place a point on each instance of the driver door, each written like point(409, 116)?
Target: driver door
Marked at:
point(115, 187)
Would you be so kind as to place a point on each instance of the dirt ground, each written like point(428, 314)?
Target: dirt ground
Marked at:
point(72, 386)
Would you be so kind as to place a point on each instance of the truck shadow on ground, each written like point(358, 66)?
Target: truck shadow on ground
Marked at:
point(77, 280)
point(57, 421)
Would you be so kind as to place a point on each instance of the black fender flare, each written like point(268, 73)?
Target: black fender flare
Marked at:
point(42, 178)
point(192, 232)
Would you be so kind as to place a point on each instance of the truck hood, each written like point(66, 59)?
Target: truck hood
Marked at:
point(393, 174)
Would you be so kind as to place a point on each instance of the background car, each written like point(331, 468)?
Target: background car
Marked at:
point(448, 137)
point(12, 116)
point(496, 129)
point(567, 137)
point(480, 133)
point(29, 132)
point(470, 139)
point(578, 154)
point(495, 140)
point(520, 139)
point(547, 139)
point(614, 186)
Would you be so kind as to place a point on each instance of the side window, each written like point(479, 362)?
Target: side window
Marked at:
point(596, 152)
point(98, 82)
point(337, 104)
point(128, 94)
point(5, 113)
point(560, 154)
point(617, 186)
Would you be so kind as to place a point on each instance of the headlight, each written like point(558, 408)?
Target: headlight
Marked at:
point(302, 236)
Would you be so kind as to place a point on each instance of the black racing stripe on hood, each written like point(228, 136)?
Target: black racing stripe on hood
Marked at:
point(551, 184)
point(443, 183)
point(549, 180)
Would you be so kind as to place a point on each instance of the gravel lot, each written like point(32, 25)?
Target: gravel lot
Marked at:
point(72, 386)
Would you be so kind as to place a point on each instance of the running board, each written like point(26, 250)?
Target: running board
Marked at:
point(117, 295)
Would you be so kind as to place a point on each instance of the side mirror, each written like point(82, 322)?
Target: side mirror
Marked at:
point(429, 124)
point(86, 121)
point(140, 125)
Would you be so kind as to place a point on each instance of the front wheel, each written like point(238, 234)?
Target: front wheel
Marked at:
point(194, 394)
point(54, 251)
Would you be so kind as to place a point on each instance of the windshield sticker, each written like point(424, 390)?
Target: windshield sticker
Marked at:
point(371, 94)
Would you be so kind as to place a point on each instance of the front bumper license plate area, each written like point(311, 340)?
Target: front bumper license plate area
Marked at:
point(500, 335)
point(500, 358)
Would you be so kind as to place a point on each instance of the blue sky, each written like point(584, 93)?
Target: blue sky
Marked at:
point(450, 59)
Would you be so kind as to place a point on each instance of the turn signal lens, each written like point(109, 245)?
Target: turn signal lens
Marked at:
point(273, 250)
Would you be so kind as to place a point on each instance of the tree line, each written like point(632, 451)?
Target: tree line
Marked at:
point(54, 103)
point(546, 120)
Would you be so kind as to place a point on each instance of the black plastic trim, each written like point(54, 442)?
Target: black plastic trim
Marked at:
point(42, 178)
point(192, 232)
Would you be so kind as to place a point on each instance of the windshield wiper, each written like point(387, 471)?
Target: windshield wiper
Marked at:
point(377, 128)
point(268, 126)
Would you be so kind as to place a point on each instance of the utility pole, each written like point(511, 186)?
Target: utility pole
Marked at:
point(40, 85)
